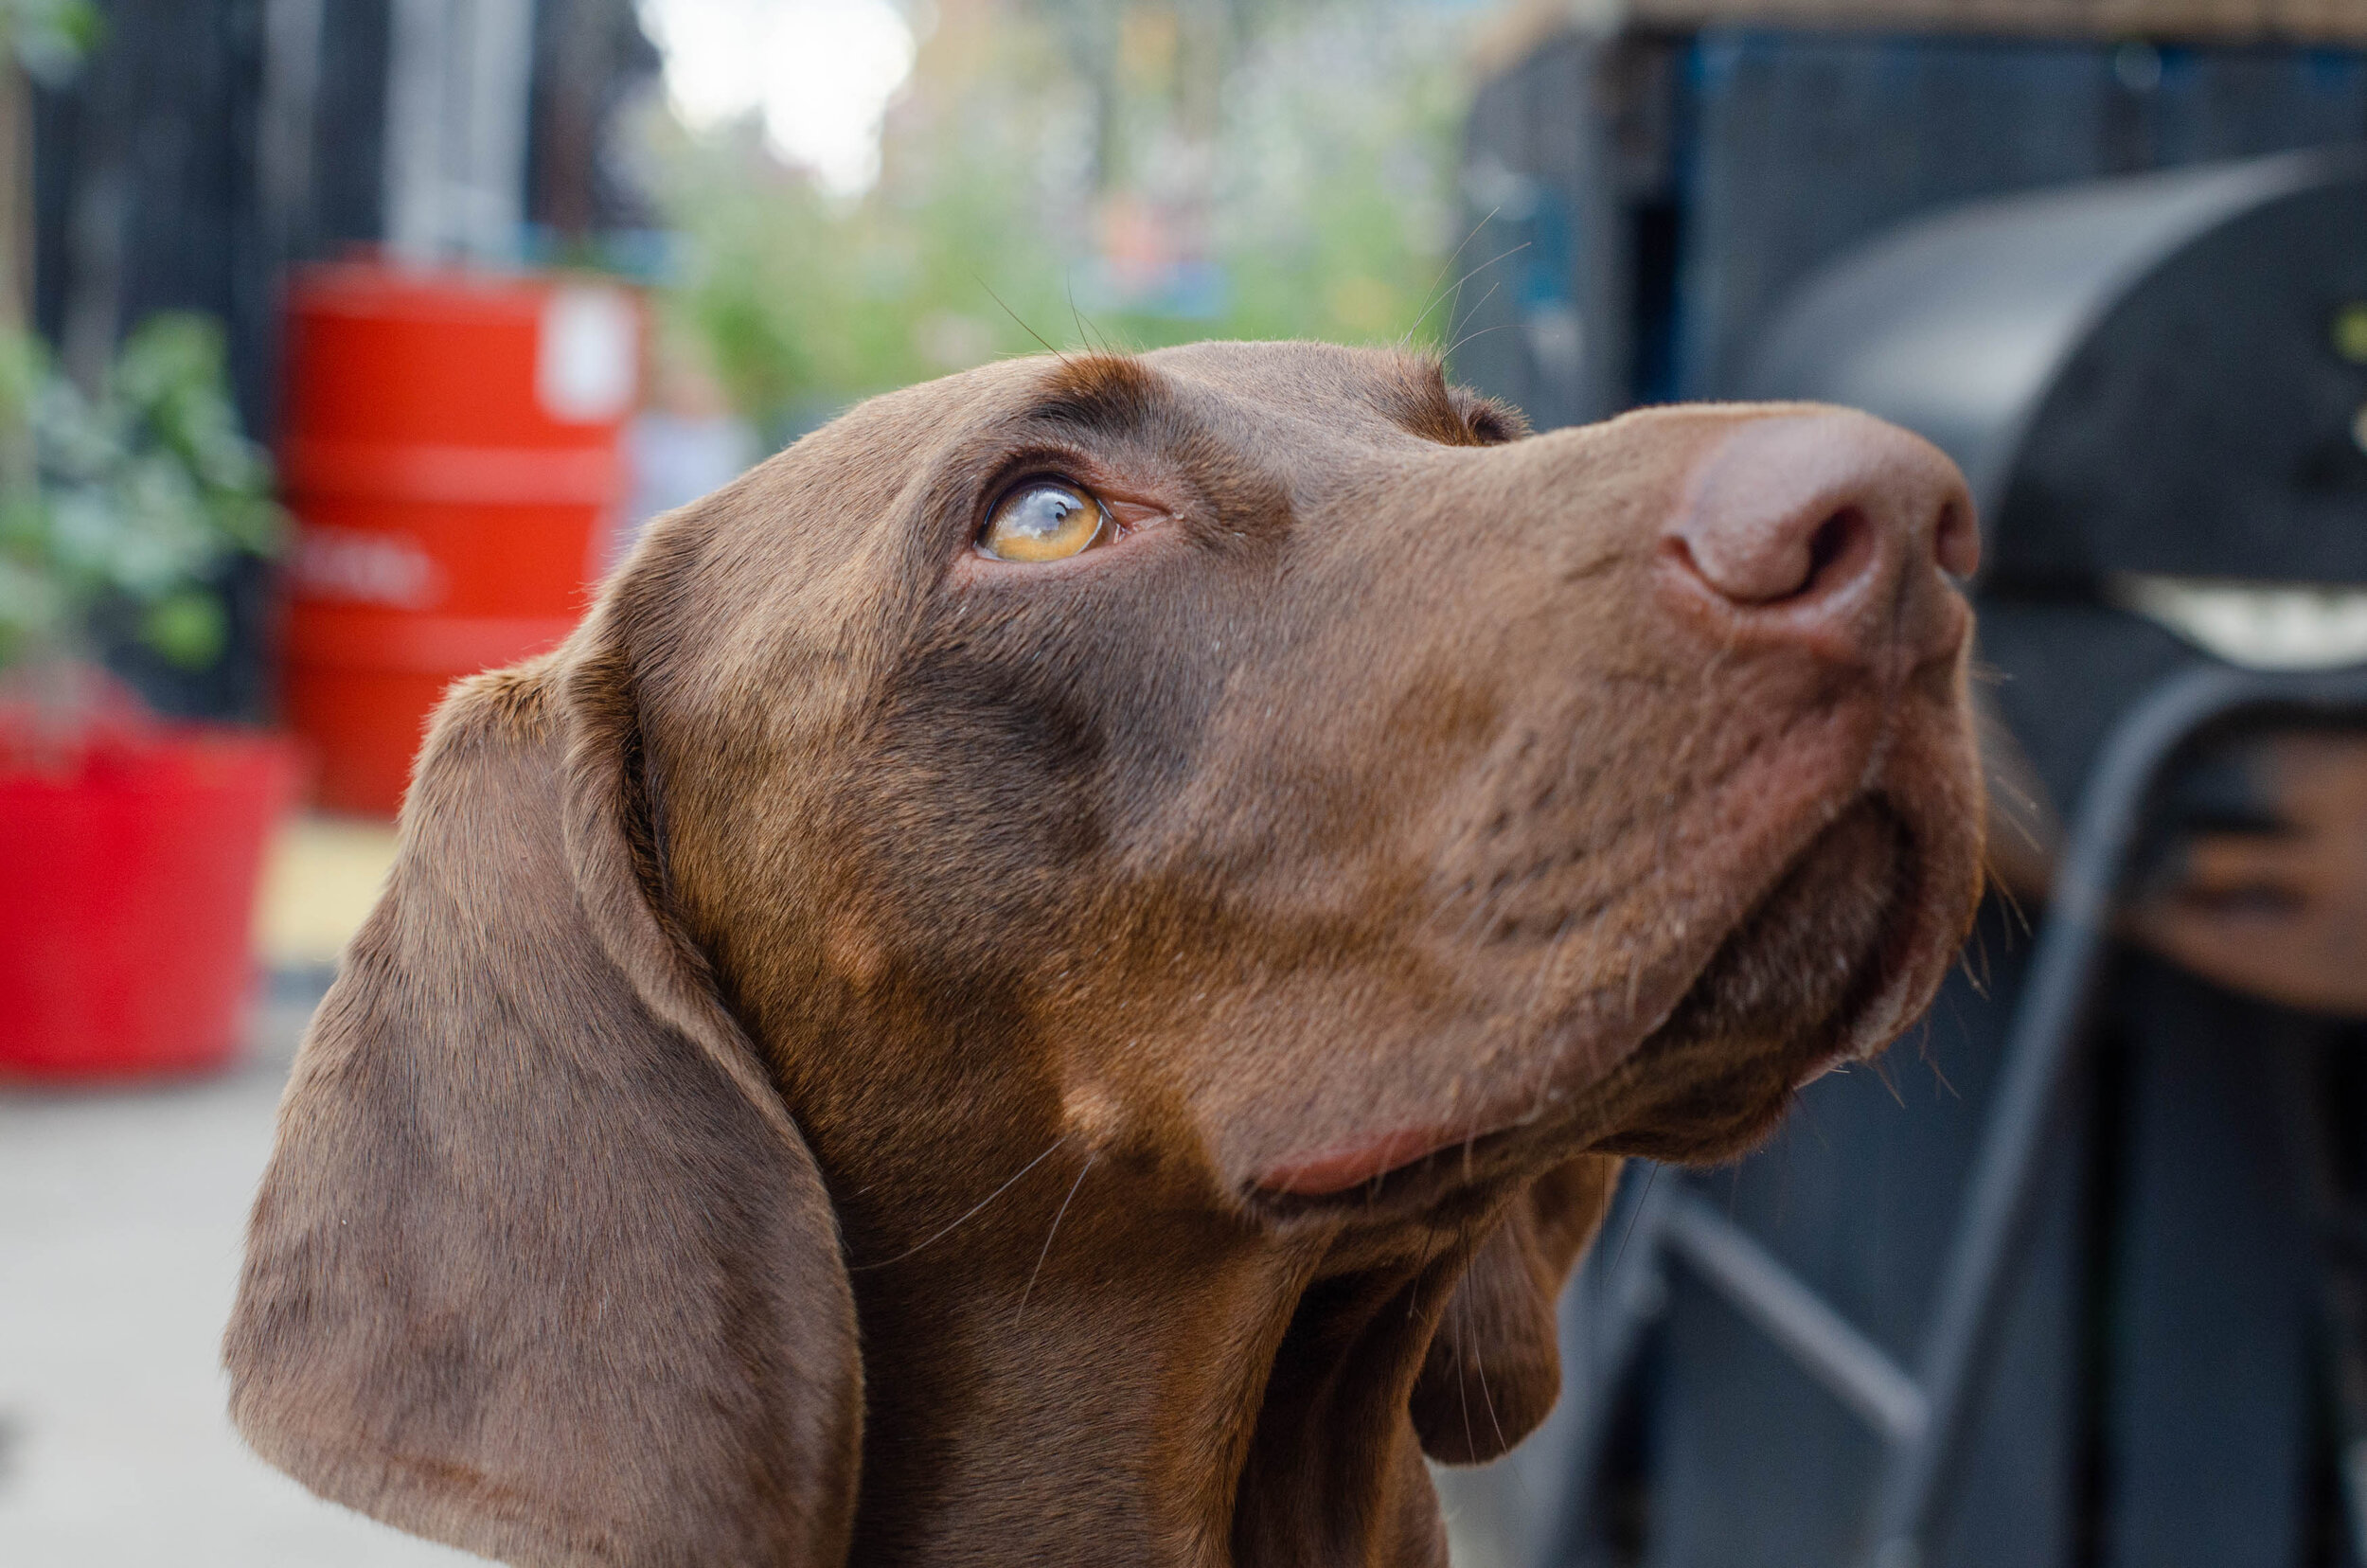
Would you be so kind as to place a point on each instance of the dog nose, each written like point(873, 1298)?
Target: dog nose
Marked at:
point(1833, 528)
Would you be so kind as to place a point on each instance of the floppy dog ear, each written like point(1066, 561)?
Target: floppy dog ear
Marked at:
point(1494, 1365)
point(541, 1267)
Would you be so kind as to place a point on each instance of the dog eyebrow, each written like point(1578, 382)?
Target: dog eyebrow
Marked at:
point(1100, 393)
point(1419, 400)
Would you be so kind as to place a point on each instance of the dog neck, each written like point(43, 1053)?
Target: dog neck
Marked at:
point(1140, 1389)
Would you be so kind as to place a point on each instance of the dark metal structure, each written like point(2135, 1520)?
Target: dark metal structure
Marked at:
point(2149, 375)
point(206, 144)
point(2160, 379)
point(1650, 198)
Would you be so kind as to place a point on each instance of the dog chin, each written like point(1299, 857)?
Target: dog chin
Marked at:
point(1830, 965)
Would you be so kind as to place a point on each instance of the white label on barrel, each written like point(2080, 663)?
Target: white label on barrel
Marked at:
point(586, 368)
point(366, 567)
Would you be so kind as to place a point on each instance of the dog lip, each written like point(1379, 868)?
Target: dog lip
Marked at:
point(1328, 1173)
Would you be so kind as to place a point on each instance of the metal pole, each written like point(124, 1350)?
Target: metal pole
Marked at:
point(2046, 1026)
point(1827, 1347)
point(1599, 1342)
point(459, 75)
point(2341, 1325)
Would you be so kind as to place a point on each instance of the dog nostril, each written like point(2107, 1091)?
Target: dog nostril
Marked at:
point(1763, 567)
point(1833, 541)
point(1956, 542)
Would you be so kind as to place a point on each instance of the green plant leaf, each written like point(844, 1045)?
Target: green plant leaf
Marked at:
point(126, 507)
point(187, 629)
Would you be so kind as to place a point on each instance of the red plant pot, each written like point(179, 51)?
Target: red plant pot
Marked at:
point(127, 897)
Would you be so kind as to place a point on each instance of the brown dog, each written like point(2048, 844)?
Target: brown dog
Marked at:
point(1059, 973)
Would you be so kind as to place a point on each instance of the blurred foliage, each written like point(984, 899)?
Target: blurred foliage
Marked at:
point(1299, 187)
point(50, 37)
point(128, 504)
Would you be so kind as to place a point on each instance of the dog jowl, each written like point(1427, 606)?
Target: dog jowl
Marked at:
point(1060, 973)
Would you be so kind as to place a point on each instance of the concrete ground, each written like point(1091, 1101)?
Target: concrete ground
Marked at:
point(121, 1217)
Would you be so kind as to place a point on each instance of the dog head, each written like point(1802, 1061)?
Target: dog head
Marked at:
point(1242, 804)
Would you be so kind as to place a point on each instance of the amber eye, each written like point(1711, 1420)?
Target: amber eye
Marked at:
point(1042, 522)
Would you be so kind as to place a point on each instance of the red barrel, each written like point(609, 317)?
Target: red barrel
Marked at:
point(452, 456)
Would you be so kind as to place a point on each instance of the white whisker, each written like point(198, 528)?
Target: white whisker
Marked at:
point(965, 1215)
point(1057, 1217)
